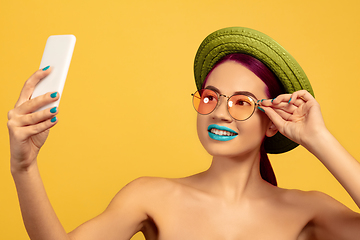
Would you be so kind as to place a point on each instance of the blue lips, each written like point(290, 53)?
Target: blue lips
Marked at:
point(219, 137)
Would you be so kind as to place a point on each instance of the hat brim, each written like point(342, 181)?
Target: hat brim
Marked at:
point(260, 46)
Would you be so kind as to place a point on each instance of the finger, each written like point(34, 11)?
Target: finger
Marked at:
point(37, 117)
point(279, 101)
point(30, 84)
point(297, 102)
point(41, 127)
point(283, 98)
point(285, 107)
point(286, 116)
point(23, 133)
point(302, 94)
point(275, 117)
point(291, 98)
point(284, 110)
point(268, 103)
point(20, 121)
point(32, 105)
point(297, 98)
point(282, 106)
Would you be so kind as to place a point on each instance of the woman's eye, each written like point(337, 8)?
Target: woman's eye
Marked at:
point(242, 103)
point(208, 99)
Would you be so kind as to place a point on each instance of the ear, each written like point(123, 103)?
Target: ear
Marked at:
point(271, 130)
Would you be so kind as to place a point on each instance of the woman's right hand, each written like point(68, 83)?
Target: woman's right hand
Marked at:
point(28, 130)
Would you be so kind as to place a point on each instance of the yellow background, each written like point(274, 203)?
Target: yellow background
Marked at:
point(126, 108)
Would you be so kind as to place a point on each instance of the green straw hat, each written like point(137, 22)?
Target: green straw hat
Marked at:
point(260, 46)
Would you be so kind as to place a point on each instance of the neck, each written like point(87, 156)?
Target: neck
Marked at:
point(235, 178)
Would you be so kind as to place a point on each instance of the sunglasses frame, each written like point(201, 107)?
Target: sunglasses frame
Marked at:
point(227, 102)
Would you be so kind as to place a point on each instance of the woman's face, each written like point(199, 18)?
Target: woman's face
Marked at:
point(230, 77)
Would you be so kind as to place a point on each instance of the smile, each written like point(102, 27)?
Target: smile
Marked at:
point(221, 133)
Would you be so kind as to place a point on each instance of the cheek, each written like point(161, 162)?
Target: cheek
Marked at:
point(254, 129)
point(203, 135)
point(201, 127)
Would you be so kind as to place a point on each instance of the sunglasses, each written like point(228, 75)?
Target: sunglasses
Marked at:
point(240, 106)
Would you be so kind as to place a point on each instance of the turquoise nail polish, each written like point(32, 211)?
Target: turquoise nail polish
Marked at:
point(53, 110)
point(46, 68)
point(53, 119)
point(272, 100)
point(261, 109)
point(289, 100)
point(53, 95)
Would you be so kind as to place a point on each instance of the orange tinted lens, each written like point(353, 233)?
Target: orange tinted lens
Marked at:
point(241, 107)
point(205, 101)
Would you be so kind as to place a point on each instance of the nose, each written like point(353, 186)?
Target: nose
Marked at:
point(221, 112)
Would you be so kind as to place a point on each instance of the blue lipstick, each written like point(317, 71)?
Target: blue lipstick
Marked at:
point(217, 129)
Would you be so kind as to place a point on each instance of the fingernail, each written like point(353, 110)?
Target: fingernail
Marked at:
point(45, 68)
point(53, 110)
point(53, 95)
point(261, 109)
point(53, 119)
point(289, 100)
point(262, 100)
point(272, 100)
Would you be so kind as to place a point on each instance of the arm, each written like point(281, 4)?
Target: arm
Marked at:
point(298, 117)
point(301, 121)
point(28, 132)
point(39, 217)
point(338, 161)
point(125, 215)
point(331, 220)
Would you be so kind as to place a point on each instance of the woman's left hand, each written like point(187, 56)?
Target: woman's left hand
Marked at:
point(296, 115)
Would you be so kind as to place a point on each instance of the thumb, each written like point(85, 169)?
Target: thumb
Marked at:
point(30, 84)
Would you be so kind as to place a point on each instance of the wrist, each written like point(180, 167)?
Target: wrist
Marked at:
point(17, 167)
point(317, 139)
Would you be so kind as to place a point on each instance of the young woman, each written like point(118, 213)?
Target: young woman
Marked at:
point(241, 117)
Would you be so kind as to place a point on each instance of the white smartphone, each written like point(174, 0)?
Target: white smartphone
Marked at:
point(57, 54)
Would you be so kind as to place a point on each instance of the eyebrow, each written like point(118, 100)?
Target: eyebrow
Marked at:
point(235, 93)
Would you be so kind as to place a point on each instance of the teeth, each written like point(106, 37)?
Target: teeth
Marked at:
point(221, 132)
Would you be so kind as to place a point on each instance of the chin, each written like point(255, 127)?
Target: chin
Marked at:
point(230, 149)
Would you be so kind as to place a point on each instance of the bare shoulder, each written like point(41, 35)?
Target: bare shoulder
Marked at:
point(300, 197)
point(312, 200)
point(327, 217)
point(147, 191)
point(145, 186)
point(131, 210)
point(315, 203)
